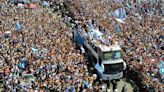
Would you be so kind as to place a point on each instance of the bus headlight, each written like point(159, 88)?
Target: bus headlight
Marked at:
point(124, 64)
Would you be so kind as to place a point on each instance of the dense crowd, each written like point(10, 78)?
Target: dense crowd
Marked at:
point(37, 55)
point(141, 36)
point(34, 42)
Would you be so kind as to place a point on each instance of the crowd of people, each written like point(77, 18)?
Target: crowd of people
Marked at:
point(37, 55)
point(34, 42)
point(141, 36)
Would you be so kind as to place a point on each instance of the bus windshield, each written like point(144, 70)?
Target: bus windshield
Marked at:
point(113, 68)
point(112, 55)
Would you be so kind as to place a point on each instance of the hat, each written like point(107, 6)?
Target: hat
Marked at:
point(31, 6)
point(8, 32)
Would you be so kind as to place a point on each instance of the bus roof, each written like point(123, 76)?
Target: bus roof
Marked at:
point(105, 48)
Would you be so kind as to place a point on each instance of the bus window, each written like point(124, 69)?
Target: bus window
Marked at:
point(107, 55)
point(112, 55)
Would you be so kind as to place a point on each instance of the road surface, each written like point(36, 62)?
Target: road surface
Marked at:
point(120, 84)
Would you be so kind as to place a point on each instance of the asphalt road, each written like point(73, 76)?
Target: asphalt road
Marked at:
point(120, 84)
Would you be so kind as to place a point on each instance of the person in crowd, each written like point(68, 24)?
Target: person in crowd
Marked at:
point(36, 53)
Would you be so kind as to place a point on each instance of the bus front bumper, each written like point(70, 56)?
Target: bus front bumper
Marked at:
point(112, 76)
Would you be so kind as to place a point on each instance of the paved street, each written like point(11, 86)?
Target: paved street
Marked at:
point(120, 84)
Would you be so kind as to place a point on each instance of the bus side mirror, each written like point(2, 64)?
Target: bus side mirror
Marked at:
point(124, 65)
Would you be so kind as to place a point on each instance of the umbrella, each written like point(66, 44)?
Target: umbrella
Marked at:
point(7, 34)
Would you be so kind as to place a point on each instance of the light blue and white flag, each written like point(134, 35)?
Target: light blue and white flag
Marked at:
point(18, 26)
point(161, 67)
point(117, 28)
point(120, 14)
